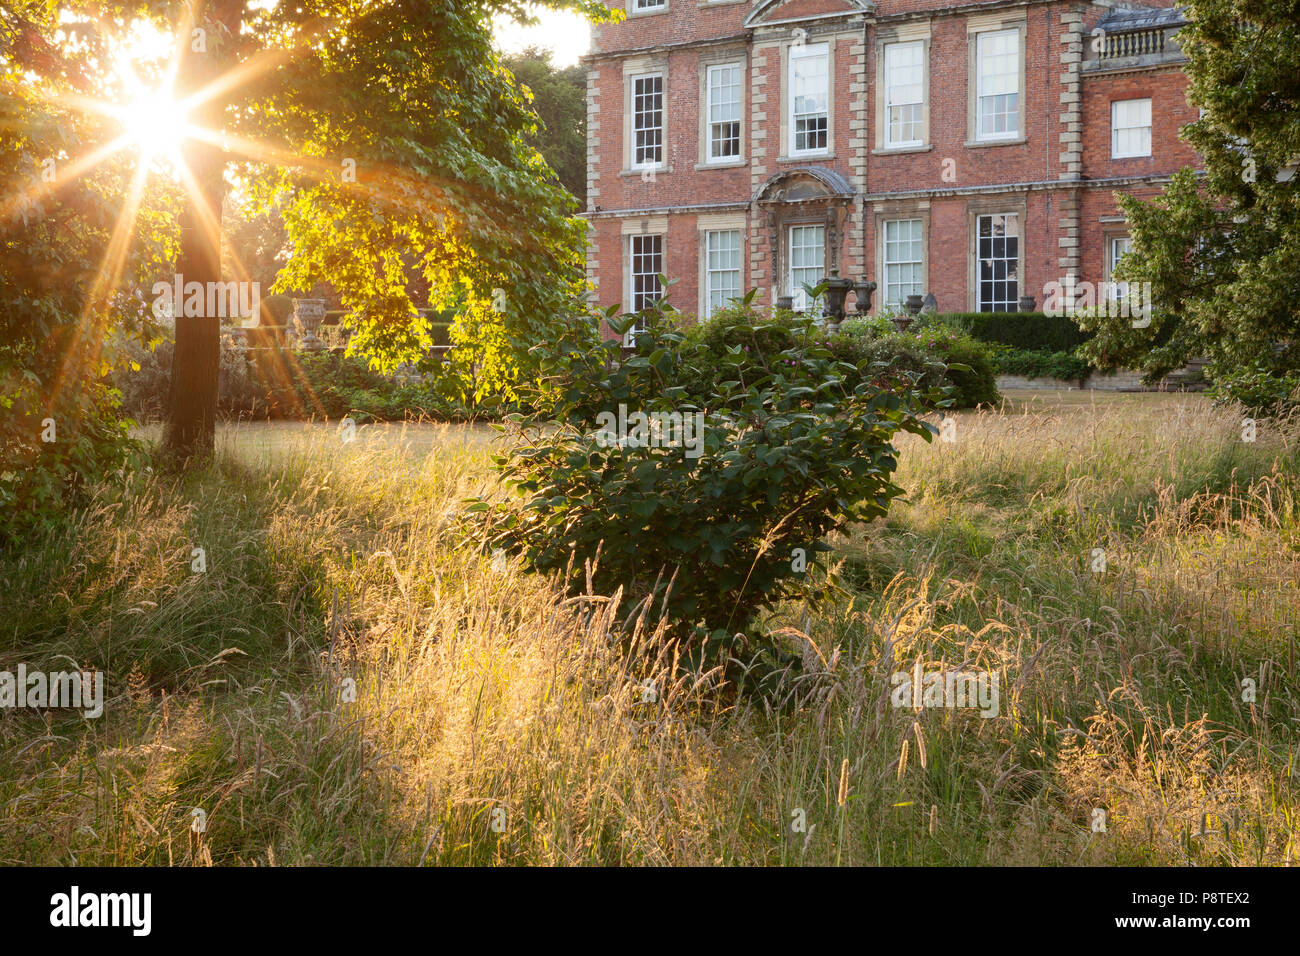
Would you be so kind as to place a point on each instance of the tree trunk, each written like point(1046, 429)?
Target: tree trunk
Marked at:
point(196, 359)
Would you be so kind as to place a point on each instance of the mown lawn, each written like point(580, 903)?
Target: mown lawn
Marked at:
point(495, 720)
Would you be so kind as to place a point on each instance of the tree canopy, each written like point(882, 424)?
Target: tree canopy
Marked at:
point(559, 96)
point(1222, 250)
point(387, 132)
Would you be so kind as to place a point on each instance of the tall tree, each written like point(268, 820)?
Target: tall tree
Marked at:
point(1223, 253)
point(390, 133)
point(559, 96)
point(204, 52)
point(79, 234)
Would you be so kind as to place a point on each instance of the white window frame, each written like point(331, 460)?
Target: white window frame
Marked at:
point(1118, 290)
point(1143, 103)
point(712, 275)
point(1014, 303)
point(801, 303)
point(635, 114)
point(634, 274)
point(890, 50)
point(807, 52)
point(980, 95)
point(647, 6)
point(709, 122)
point(918, 264)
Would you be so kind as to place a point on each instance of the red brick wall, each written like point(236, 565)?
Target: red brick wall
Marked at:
point(983, 165)
point(1023, 168)
point(1170, 111)
point(685, 20)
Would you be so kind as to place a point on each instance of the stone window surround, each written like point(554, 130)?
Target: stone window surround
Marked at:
point(717, 222)
point(633, 68)
point(989, 23)
point(992, 206)
point(1107, 234)
point(903, 33)
point(779, 217)
point(735, 55)
point(631, 10)
point(642, 226)
point(889, 211)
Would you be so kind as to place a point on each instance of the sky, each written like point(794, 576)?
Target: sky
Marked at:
point(567, 34)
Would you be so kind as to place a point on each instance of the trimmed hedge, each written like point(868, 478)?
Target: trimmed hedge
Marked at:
point(266, 336)
point(1062, 365)
point(271, 381)
point(293, 385)
point(1027, 331)
point(277, 310)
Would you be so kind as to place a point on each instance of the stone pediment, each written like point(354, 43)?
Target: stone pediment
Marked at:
point(803, 183)
point(780, 12)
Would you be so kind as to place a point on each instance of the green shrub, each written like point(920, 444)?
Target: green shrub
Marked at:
point(787, 453)
point(940, 356)
point(970, 370)
point(892, 357)
point(756, 339)
point(867, 327)
point(143, 378)
point(1258, 388)
point(53, 445)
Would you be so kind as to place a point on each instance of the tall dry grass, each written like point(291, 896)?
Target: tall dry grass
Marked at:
point(344, 685)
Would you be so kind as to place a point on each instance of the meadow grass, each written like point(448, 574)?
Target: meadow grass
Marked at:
point(344, 684)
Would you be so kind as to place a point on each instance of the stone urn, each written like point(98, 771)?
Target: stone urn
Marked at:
point(1027, 303)
point(308, 314)
point(837, 291)
point(862, 291)
point(912, 308)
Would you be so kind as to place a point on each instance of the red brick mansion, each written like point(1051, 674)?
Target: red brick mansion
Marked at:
point(965, 150)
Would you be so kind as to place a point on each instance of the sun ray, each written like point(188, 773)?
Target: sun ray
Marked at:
point(208, 222)
point(155, 121)
point(64, 175)
point(105, 282)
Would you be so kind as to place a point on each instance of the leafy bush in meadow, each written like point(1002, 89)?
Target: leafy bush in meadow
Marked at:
point(788, 451)
point(967, 365)
point(52, 450)
point(1259, 388)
